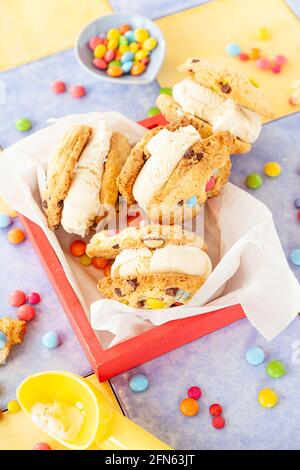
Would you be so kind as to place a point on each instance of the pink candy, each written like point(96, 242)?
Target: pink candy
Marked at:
point(95, 41)
point(210, 184)
point(100, 64)
point(33, 298)
point(41, 446)
point(280, 59)
point(77, 91)
point(194, 392)
point(109, 56)
point(263, 63)
point(276, 68)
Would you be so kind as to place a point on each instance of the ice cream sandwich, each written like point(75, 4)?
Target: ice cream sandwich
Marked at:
point(81, 178)
point(156, 266)
point(172, 171)
point(222, 98)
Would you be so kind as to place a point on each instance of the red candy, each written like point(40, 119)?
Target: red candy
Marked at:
point(210, 184)
point(145, 60)
point(100, 64)
point(78, 248)
point(298, 216)
point(26, 313)
point(276, 68)
point(215, 409)
point(243, 56)
point(194, 392)
point(33, 298)
point(109, 55)
point(95, 41)
point(17, 298)
point(41, 446)
point(77, 91)
point(218, 422)
point(58, 87)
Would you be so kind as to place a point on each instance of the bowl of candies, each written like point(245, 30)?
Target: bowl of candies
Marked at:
point(121, 48)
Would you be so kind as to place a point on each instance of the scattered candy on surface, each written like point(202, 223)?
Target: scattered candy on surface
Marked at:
point(100, 263)
point(255, 356)
point(3, 340)
point(267, 398)
point(194, 392)
point(272, 169)
point(17, 298)
point(77, 248)
point(255, 53)
point(13, 406)
point(85, 260)
point(155, 303)
point(16, 236)
point(254, 82)
point(254, 181)
point(297, 202)
point(33, 298)
point(191, 202)
point(58, 87)
point(295, 256)
point(26, 313)
point(51, 340)
point(5, 220)
point(263, 63)
point(23, 124)
point(77, 91)
point(233, 49)
point(276, 68)
point(298, 216)
point(41, 446)
point(215, 409)
point(139, 383)
point(189, 407)
point(263, 33)
point(275, 369)
point(218, 422)
point(153, 111)
point(244, 56)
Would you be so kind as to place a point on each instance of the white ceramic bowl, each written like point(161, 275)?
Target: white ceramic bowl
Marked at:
point(103, 24)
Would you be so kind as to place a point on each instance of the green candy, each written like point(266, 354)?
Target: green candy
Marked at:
point(23, 124)
point(153, 111)
point(166, 91)
point(254, 181)
point(115, 63)
point(275, 369)
point(123, 41)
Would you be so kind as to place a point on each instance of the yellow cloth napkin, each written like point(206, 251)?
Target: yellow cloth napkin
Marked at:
point(207, 29)
point(32, 29)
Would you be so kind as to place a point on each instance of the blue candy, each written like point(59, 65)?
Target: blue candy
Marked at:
point(297, 202)
point(5, 220)
point(191, 202)
point(233, 49)
point(3, 340)
point(127, 57)
point(138, 383)
point(255, 356)
point(130, 36)
point(51, 340)
point(182, 295)
point(126, 67)
point(295, 256)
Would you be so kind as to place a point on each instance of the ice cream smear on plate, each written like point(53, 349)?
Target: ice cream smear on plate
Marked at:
point(169, 259)
point(58, 419)
point(221, 113)
point(82, 204)
point(166, 150)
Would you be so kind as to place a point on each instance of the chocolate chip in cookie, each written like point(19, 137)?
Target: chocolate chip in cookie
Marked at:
point(45, 204)
point(133, 283)
point(140, 303)
point(116, 246)
point(172, 291)
point(225, 88)
point(180, 203)
point(118, 292)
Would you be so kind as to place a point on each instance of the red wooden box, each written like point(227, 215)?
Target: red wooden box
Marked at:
point(135, 351)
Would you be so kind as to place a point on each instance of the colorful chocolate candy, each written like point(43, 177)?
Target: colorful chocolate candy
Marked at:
point(41, 446)
point(17, 298)
point(77, 91)
point(255, 356)
point(215, 409)
point(5, 220)
point(23, 124)
point(58, 87)
point(26, 313)
point(254, 181)
point(267, 398)
point(33, 298)
point(194, 392)
point(13, 406)
point(272, 169)
point(275, 369)
point(295, 256)
point(139, 383)
point(16, 236)
point(189, 406)
point(77, 248)
point(218, 422)
point(51, 340)
point(131, 47)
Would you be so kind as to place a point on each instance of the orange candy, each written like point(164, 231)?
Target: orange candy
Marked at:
point(138, 68)
point(189, 407)
point(16, 236)
point(254, 53)
point(100, 263)
point(114, 71)
point(78, 247)
point(124, 28)
point(107, 270)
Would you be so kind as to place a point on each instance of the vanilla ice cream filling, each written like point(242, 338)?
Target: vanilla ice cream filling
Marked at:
point(181, 259)
point(166, 150)
point(82, 204)
point(58, 419)
point(221, 113)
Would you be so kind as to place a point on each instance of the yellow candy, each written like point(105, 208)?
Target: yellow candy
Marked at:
point(150, 44)
point(112, 44)
point(123, 49)
point(263, 33)
point(99, 51)
point(254, 82)
point(267, 398)
point(141, 54)
point(155, 303)
point(134, 47)
point(141, 34)
point(85, 260)
point(272, 169)
point(113, 33)
point(13, 406)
